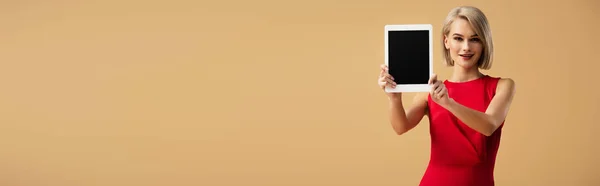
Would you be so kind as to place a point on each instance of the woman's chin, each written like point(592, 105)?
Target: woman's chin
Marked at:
point(466, 64)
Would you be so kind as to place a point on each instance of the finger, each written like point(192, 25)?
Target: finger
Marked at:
point(384, 67)
point(439, 87)
point(382, 79)
point(382, 84)
point(444, 92)
point(391, 83)
point(389, 76)
point(435, 85)
point(435, 89)
point(386, 80)
point(436, 94)
point(390, 79)
point(438, 90)
point(432, 79)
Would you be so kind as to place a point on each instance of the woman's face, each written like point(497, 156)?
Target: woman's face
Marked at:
point(463, 43)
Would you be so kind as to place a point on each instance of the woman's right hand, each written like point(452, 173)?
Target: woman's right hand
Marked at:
point(386, 80)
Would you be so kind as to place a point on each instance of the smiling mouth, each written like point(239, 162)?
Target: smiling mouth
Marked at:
point(466, 57)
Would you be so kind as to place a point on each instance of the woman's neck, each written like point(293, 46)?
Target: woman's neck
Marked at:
point(461, 74)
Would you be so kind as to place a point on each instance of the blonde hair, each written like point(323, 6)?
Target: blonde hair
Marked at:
point(480, 25)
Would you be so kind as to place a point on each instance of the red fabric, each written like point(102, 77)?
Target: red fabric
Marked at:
point(461, 156)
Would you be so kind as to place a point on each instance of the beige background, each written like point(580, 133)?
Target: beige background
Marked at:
point(271, 93)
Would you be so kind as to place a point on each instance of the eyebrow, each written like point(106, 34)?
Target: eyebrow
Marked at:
point(457, 34)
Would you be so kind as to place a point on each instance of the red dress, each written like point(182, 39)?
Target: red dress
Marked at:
point(461, 156)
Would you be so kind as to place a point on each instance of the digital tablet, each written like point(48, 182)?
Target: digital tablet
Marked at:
point(409, 56)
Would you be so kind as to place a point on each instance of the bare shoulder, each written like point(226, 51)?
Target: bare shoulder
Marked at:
point(506, 85)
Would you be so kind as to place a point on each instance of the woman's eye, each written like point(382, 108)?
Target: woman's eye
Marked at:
point(475, 40)
point(458, 39)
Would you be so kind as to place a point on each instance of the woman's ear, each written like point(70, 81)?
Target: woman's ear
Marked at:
point(446, 42)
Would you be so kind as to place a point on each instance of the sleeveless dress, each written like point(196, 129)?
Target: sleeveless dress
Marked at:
point(461, 156)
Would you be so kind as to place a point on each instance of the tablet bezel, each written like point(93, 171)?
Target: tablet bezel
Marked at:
point(410, 27)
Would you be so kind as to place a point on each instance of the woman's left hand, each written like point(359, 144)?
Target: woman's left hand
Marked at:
point(439, 93)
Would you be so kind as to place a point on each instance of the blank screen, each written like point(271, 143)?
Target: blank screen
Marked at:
point(408, 54)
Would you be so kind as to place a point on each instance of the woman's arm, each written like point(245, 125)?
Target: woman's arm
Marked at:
point(486, 123)
point(404, 121)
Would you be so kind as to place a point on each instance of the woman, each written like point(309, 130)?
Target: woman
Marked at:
point(466, 112)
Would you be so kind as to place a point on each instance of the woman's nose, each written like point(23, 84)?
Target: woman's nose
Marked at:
point(466, 46)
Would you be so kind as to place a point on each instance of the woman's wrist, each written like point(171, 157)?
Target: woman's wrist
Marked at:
point(395, 98)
